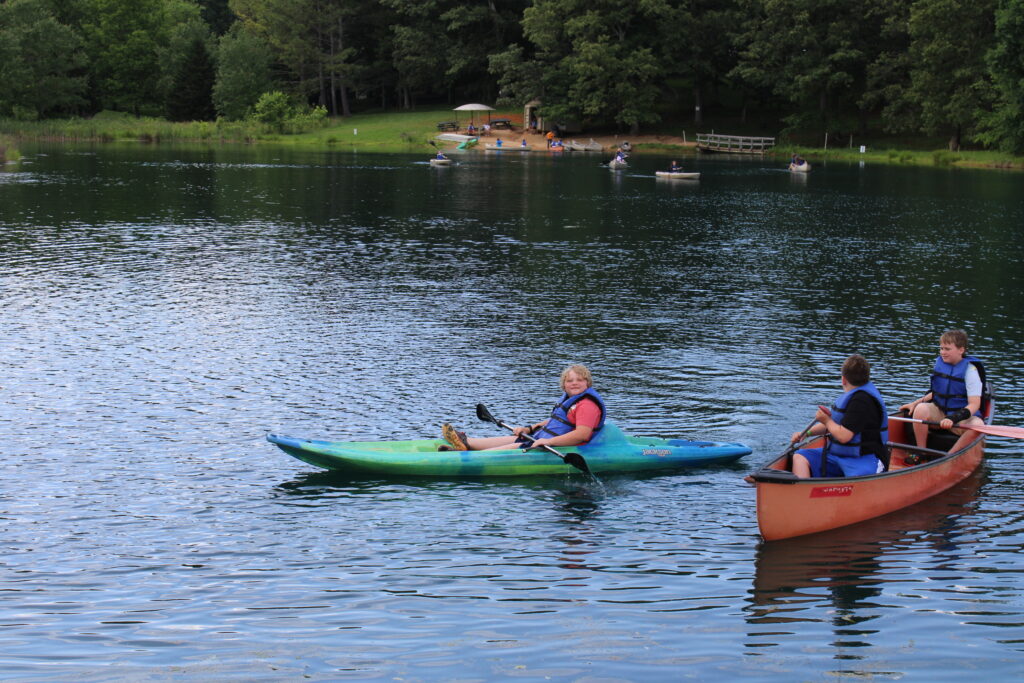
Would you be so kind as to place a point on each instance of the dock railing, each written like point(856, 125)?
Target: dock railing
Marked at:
point(733, 144)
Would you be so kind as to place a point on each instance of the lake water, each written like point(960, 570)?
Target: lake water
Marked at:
point(164, 308)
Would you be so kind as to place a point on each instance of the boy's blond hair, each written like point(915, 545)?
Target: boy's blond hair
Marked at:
point(580, 370)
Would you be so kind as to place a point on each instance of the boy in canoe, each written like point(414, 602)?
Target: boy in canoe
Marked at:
point(857, 428)
point(957, 384)
point(578, 414)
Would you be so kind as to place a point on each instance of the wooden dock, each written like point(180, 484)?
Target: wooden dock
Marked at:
point(733, 144)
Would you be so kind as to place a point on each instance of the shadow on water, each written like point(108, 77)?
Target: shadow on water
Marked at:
point(314, 483)
point(575, 486)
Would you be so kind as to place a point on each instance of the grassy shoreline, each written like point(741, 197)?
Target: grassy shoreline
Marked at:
point(413, 132)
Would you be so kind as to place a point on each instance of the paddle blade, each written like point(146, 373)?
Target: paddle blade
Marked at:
point(485, 415)
point(577, 461)
point(998, 430)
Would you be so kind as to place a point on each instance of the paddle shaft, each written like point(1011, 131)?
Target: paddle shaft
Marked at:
point(993, 430)
point(574, 459)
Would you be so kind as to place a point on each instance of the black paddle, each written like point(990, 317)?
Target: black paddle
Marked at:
point(574, 459)
point(788, 455)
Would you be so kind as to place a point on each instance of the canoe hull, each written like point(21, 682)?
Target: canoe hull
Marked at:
point(617, 164)
point(591, 146)
point(788, 507)
point(802, 168)
point(421, 457)
point(677, 175)
point(440, 162)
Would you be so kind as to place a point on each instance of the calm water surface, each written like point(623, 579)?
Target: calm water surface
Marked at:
point(162, 309)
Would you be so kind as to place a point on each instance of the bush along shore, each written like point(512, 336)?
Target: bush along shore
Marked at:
point(416, 131)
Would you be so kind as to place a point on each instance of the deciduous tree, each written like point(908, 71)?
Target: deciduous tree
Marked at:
point(1003, 126)
point(244, 72)
point(39, 62)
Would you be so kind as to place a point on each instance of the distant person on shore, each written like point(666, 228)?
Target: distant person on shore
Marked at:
point(550, 137)
point(856, 429)
point(957, 385)
point(471, 129)
point(499, 142)
point(522, 143)
point(577, 416)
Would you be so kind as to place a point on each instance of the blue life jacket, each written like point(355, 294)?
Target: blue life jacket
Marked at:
point(949, 390)
point(851, 449)
point(559, 423)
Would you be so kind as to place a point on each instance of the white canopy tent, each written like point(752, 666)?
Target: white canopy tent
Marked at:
point(473, 108)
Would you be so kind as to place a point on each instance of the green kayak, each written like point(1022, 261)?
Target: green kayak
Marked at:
point(610, 451)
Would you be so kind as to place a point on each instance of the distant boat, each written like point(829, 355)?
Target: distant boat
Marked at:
point(440, 162)
point(799, 168)
point(466, 144)
point(615, 163)
point(592, 146)
point(453, 137)
point(678, 175)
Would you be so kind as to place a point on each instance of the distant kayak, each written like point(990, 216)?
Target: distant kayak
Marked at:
point(800, 168)
point(679, 175)
point(440, 162)
point(609, 452)
point(615, 163)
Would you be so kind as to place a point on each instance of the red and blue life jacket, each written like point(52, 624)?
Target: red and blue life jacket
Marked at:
point(559, 423)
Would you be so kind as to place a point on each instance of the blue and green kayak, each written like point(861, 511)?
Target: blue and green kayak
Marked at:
point(609, 452)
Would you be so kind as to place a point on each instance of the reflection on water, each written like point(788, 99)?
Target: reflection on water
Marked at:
point(164, 308)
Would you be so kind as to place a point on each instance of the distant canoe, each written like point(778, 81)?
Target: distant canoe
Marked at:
point(592, 146)
point(679, 175)
point(453, 137)
point(615, 163)
point(800, 168)
point(440, 162)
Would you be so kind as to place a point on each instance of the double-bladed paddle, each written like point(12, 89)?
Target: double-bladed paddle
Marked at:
point(574, 459)
point(994, 430)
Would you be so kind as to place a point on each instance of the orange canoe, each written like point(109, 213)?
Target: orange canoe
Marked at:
point(788, 506)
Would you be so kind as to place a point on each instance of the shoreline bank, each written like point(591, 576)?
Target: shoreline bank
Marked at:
point(412, 132)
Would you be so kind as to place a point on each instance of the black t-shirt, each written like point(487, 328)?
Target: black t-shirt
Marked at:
point(864, 416)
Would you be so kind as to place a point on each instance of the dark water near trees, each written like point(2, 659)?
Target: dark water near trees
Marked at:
point(162, 309)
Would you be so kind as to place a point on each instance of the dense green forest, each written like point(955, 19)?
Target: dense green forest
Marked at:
point(934, 67)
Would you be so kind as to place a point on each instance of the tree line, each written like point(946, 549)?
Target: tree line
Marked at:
point(935, 67)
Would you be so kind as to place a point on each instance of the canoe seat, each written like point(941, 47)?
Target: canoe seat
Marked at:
point(941, 440)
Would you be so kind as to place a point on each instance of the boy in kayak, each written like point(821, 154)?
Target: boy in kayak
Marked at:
point(578, 414)
point(857, 428)
point(958, 381)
